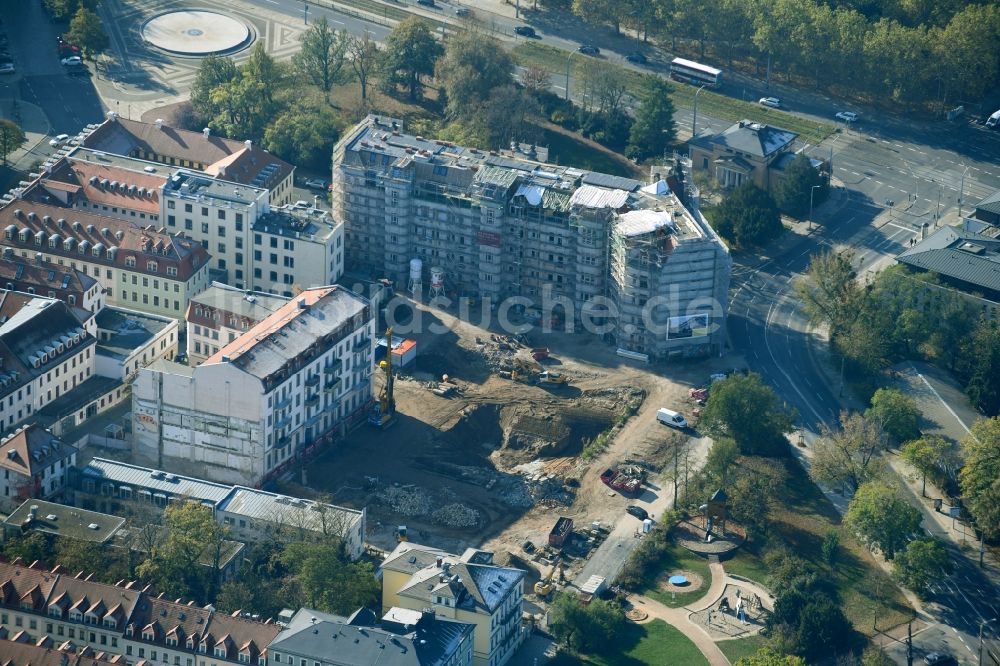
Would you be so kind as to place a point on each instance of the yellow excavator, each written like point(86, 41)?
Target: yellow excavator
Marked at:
point(543, 587)
point(383, 414)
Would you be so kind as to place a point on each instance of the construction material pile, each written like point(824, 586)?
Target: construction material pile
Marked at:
point(498, 351)
point(406, 501)
point(456, 515)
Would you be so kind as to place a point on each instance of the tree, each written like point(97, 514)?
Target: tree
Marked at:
point(185, 562)
point(535, 80)
point(410, 53)
point(829, 293)
point(795, 189)
point(76, 555)
point(472, 67)
point(508, 116)
point(747, 410)
point(921, 563)
point(748, 217)
point(875, 656)
point(980, 476)
point(213, 72)
point(589, 628)
point(983, 359)
point(247, 104)
point(928, 454)
point(721, 459)
point(654, 129)
point(882, 519)
point(327, 580)
point(323, 57)
point(304, 135)
point(897, 413)
point(753, 491)
point(11, 138)
point(87, 32)
point(364, 54)
point(851, 456)
point(768, 656)
point(29, 547)
point(808, 622)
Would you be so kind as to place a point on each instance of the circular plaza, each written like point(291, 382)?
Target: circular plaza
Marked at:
point(196, 33)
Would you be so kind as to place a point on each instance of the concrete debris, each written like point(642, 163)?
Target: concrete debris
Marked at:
point(456, 515)
point(406, 501)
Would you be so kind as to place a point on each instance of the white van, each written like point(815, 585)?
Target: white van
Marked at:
point(671, 418)
point(993, 121)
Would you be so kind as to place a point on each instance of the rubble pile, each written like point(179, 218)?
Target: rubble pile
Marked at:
point(405, 501)
point(456, 515)
point(498, 351)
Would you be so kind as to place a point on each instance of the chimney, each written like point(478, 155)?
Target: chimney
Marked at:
point(439, 562)
point(113, 116)
point(39, 258)
point(249, 144)
point(159, 123)
point(207, 132)
point(33, 511)
point(302, 304)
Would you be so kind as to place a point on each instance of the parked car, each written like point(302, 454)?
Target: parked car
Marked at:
point(316, 184)
point(426, 3)
point(58, 140)
point(72, 60)
point(637, 511)
point(525, 31)
point(938, 659)
point(7, 68)
point(848, 116)
point(463, 11)
point(589, 49)
point(636, 58)
point(772, 102)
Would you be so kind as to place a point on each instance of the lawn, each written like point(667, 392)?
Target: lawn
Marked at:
point(678, 558)
point(741, 647)
point(712, 104)
point(800, 522)
point(655, 644)
point(571, 149)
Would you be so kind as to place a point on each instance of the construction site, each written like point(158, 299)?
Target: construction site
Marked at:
point(486, 443)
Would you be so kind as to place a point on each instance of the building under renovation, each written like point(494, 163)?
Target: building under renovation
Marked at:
point(647, 273)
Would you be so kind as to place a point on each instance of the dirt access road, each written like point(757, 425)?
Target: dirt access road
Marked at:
point(486, 467)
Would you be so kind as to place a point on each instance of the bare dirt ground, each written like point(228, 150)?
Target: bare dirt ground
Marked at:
point(487, 466)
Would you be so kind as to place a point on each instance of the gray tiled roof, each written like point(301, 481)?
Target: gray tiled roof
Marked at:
point(962, 255)
point(991, 203)
point(755, 139)
point(121, 473)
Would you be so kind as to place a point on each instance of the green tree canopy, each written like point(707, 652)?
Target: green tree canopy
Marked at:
point(304, 135)
point(829, 291)
point(654, 129)
point(921, 563)
point(410, 54)
point(240, 103)
point(745, 409)
point(590, 628)
point(29, 547)
point(882, 519)
point(213, 72)
point(929, 455)
point(11, 137)
point(768, 656)
point(327, 580)
point(87, 32)
point(793, 191)
point(897, 413)
point(982, 363)
point(980, 476)
point(846, 458)
point(748, 217)
point(323, 57)
point(364, 55)
point(472, 67)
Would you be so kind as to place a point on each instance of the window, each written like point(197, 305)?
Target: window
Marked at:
point(170, 204)
point(222, 248)
point(274, 242)
point(289, 262)
point(274, 259)
point(274, 276)
point(151, 266)
point(204, 211)
point(239, 258)
point(257, 255)
point(188, 208)
point(130, 262)
point(204, 227)
point(256, 239)
point(171, 271)
point(188, 225)
point(239, 242)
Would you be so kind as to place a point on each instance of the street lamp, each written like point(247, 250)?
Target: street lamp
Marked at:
point(569, 58)
point(961, 194)
point(916, 183)
point(812, 191)
point(305, 12)
point(694, 118)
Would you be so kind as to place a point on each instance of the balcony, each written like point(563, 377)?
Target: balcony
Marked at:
point(312, 399)
point(283, 442)
point(333, 366)
point(332, 385)
point(363, 344)
point(284, 402)
point(282, 422)
point(312, 380)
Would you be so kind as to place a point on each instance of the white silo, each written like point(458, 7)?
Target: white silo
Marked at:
point(437, 281)
point(416, 275)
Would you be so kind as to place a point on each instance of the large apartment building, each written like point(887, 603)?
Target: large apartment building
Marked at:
point(628, 255)
point(220, 314)
point(125, 620)
point(226, 159)
point(265, 398)
point(470, 589)
point(140, 267)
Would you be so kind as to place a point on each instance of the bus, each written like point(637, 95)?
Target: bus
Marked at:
point(695, 73)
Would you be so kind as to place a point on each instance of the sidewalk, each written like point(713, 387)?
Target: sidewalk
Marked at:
point(36, 128)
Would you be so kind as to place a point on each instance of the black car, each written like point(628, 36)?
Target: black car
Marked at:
point(426, 3)
point(637, 511)
point(636, 58)
point(588, 49)
point(524, 31)
point(938, 659)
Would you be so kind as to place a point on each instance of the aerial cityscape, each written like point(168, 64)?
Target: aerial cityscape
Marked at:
point(499, 332)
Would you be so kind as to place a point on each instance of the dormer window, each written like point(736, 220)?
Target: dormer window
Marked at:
point(189, 644)
point(128, 630)
point(261, 660)
point(26, 604)
point(147, 635)
point(172, 271)
point(55, 611)
point(130, 262)
point(97, 251)
point(151, 266)
point(244, 658)
point(110, 622)
point(220, 651)
point(172, 641)
point(54, 242)
point(203, 647)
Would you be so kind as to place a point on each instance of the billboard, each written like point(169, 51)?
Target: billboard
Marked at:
point(687, 326)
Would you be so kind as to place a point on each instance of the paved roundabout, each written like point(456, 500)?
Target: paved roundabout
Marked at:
point(196, 33)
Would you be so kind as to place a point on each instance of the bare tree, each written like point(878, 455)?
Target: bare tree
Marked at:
point(363, 53)
point(851, 456)
point(535, 80)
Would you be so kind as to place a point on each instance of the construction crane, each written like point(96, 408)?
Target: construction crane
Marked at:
point(384, 412)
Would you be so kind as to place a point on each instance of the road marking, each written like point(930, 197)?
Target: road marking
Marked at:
point(938, 395)
point(781, 368)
